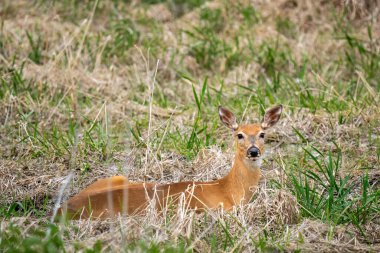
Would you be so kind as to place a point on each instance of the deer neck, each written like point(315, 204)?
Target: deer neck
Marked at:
point(242, 179)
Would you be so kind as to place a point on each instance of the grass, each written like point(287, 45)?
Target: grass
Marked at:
point(82, 94)
point(323, 194)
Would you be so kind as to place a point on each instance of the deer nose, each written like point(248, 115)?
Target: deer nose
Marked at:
point(253, 152)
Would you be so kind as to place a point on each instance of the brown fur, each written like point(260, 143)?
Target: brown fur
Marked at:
point(112, 196)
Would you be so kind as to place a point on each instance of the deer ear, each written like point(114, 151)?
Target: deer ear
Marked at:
point(228, 118)
point(271, 116)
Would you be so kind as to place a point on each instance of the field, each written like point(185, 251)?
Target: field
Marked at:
point(91, 89)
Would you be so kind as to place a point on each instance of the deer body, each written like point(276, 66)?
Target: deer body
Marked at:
point(112, 196)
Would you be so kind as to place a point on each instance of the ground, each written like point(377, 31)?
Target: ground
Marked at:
point(90, 89)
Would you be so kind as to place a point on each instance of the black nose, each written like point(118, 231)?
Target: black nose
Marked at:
point(253, 152)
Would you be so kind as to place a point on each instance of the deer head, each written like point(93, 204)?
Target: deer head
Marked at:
point(250, 138)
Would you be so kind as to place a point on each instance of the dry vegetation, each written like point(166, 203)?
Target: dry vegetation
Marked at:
point(90, 89)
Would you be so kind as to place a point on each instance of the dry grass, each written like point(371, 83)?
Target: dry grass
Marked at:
point(75, 84)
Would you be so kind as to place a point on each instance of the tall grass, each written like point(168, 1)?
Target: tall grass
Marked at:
point(324, 193)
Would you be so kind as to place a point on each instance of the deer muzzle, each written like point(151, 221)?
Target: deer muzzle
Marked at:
point(253, 152)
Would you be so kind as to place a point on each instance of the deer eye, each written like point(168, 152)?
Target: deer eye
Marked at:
point(240, 136)
point(262, 135)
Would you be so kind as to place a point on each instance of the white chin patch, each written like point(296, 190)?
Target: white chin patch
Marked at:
point(253, 163)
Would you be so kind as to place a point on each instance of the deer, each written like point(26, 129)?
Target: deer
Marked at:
point(110, 197)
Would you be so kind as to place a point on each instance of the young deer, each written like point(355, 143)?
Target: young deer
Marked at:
point(112, 196)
